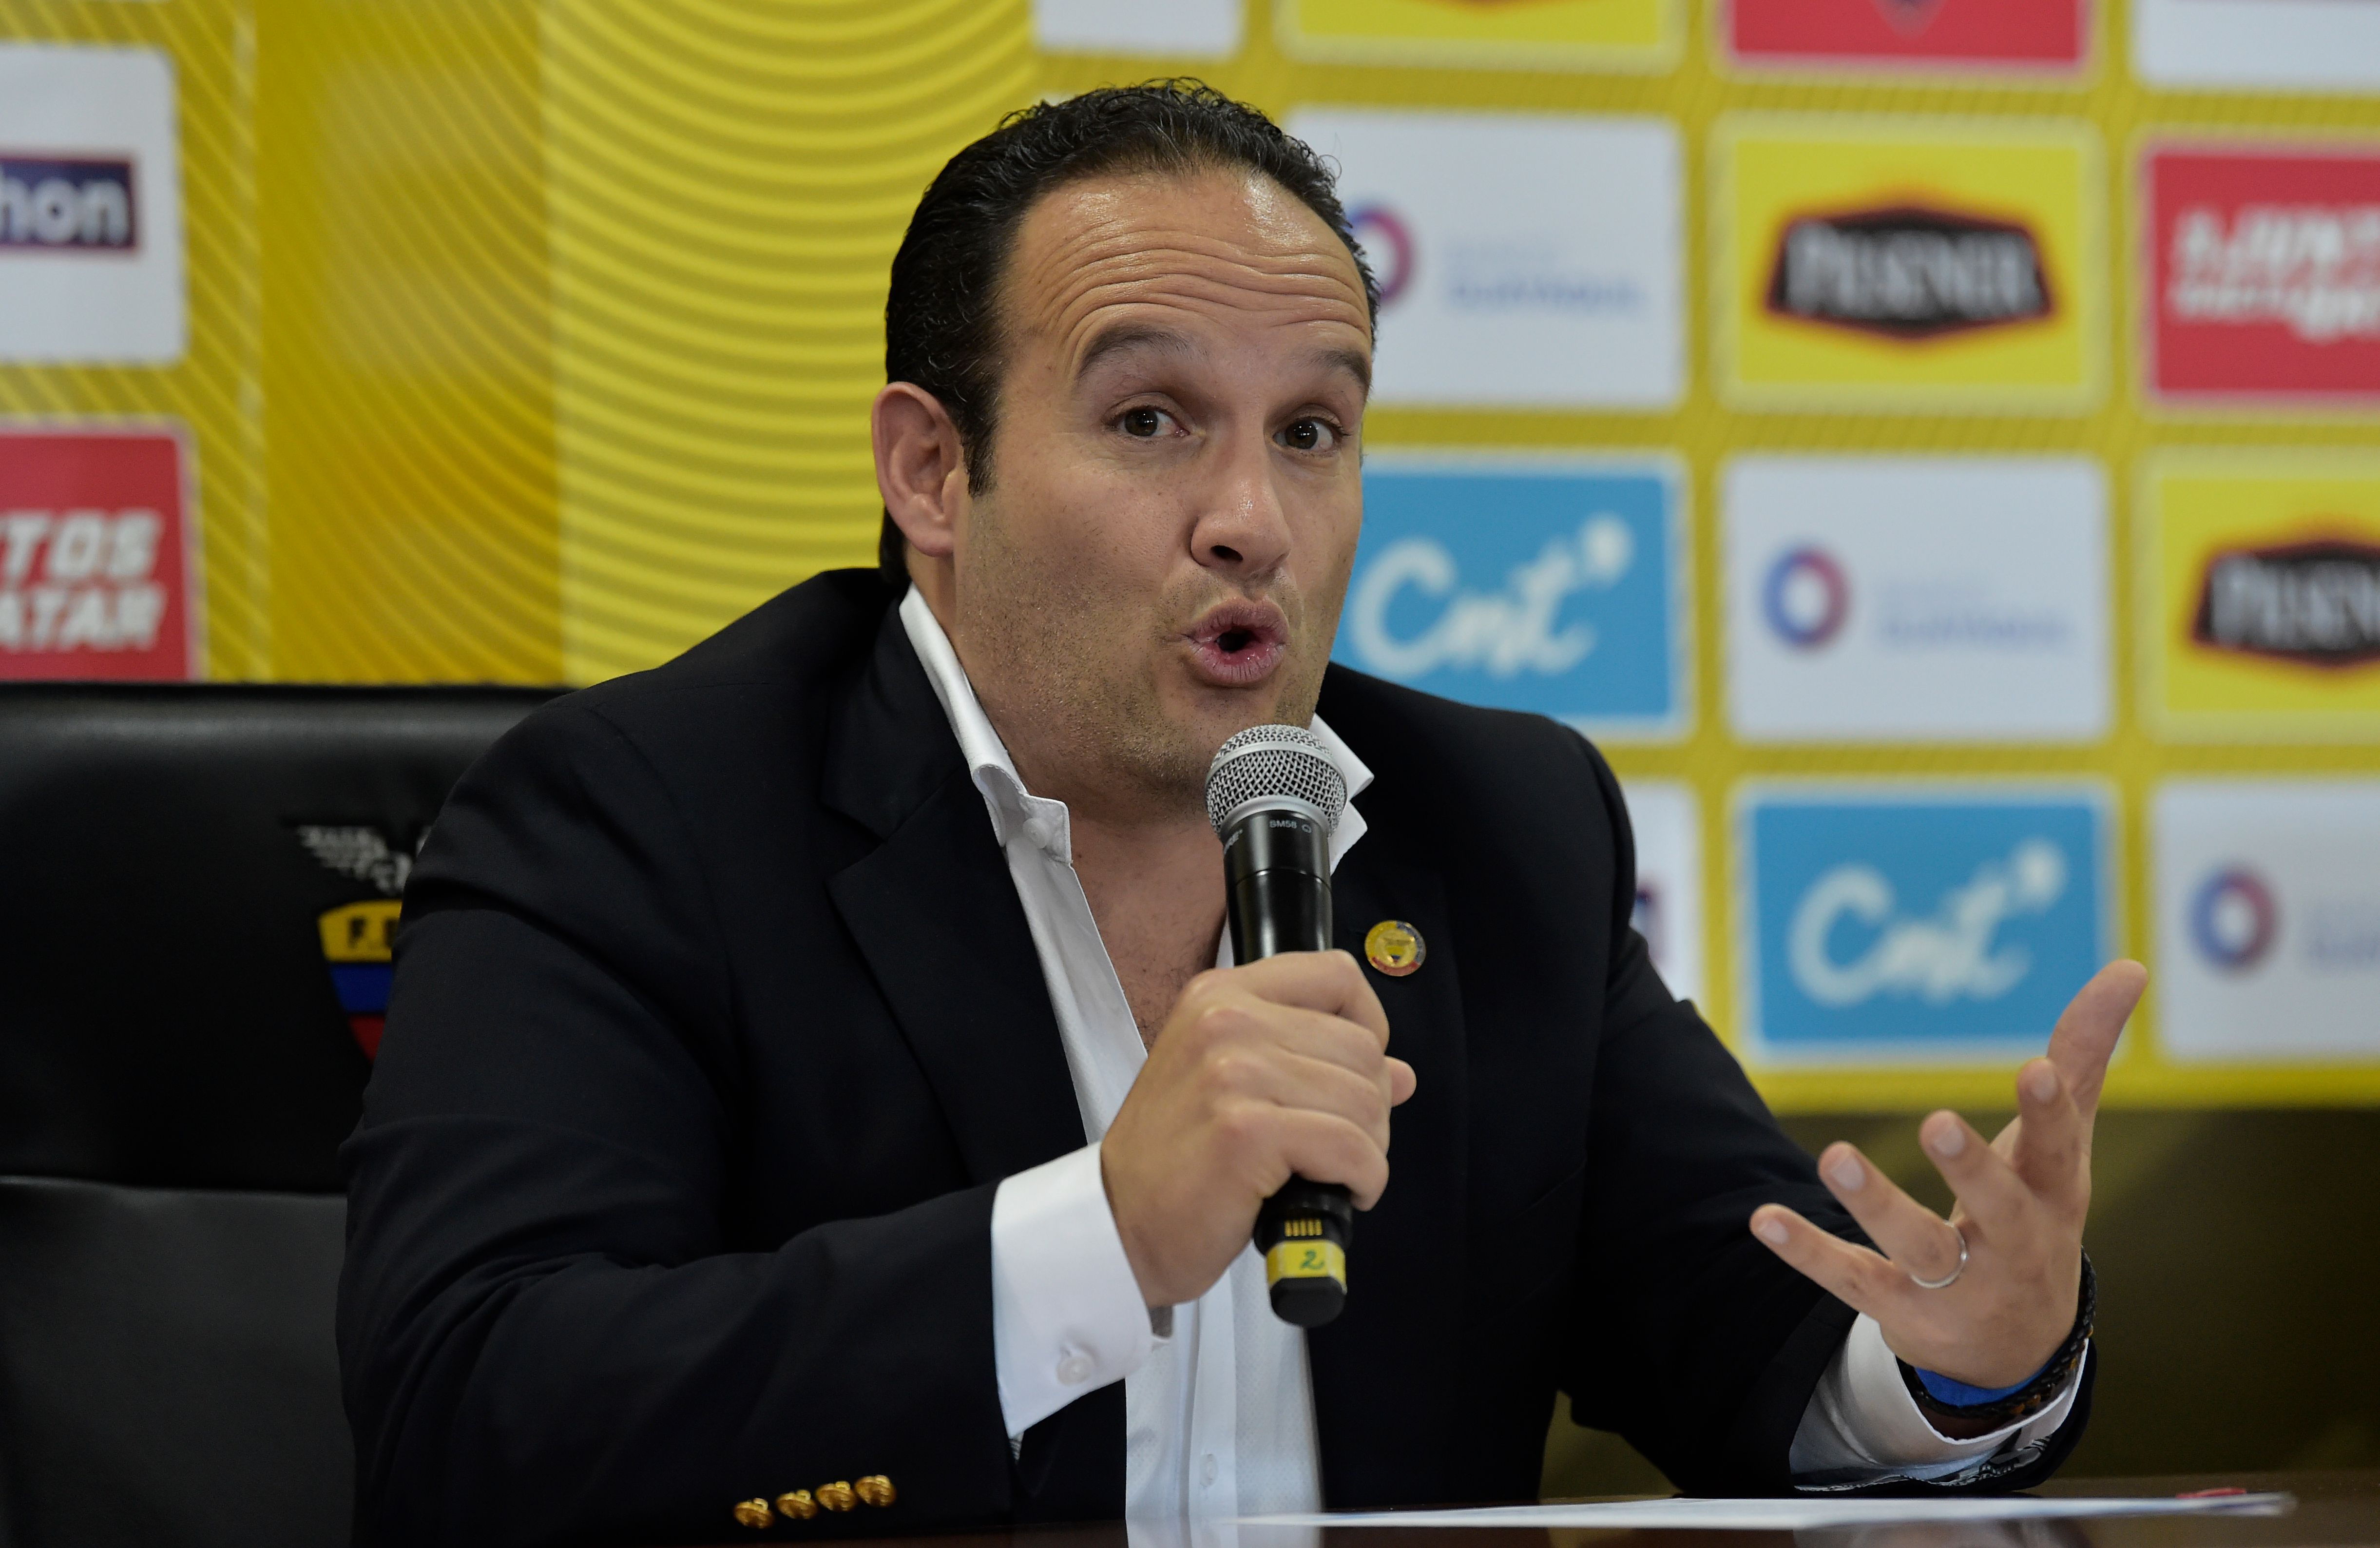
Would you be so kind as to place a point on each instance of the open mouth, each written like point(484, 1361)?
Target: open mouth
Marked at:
point(1237, 643)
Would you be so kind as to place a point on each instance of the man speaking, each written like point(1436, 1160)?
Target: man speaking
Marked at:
point(819, 1098)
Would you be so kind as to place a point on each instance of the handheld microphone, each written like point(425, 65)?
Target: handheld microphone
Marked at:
point(1275, 797)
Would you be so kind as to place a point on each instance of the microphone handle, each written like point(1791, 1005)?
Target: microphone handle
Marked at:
point(1277, 874)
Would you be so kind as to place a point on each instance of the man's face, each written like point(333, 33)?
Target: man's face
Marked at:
point(1160, 554)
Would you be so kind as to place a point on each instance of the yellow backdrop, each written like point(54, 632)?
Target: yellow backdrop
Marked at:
point(532, 342)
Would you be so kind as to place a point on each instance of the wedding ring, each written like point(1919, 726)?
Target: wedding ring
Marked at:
point(1948, 1279)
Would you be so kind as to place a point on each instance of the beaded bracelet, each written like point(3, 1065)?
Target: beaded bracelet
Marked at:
point(2035, 1395)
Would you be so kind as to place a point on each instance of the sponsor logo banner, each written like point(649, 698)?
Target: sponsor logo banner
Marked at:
point(91, 226)
point(1542, 34)
point(1667, 824)
point(1917, 926)
point(1522, 260)
point(1907, 599)
point(52, 203)
point(1525, 584)
point(2320, 45)
point(1901, 263)
point(2268, 920)
point(2262, 606)
point(1203, 28)
point(2261, 272)
point(1956, 34)
point(96, 562)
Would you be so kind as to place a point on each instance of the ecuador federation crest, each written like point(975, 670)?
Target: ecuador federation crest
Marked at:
point(359, 939)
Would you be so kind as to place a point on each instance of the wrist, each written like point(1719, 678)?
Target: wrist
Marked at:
point(1962, 1411)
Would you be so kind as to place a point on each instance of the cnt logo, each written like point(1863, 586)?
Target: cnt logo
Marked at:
point(1906, 272)
point(1388, 245)
point(1805, 597)
point(2316, 603)
point(2233, 918)
point(1951, 954)
point(66, 203)
point(1502, 632)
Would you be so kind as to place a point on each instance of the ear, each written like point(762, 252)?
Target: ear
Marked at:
point(920, 470)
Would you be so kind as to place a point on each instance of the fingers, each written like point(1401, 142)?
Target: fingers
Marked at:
point(1324, 981)
point(1854, 1274)
point(2052, 1142)
point(1290, 1081)
point(1224, 1022)
point(1913, 1237)
point(1328, 1149)
point(1987, 1187)
point(2087, 1033)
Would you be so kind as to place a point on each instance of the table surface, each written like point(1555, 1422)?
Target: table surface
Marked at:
point(2335, 1510)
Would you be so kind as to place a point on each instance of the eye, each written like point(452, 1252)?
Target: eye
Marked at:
point(1310, 434)
point(1143, 422)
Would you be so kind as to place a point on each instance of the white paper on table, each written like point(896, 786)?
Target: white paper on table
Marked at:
point(1796, 1513)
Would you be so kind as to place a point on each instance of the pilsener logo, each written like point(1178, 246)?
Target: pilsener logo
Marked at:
point(2317, 603)
point(1908, 272)
point(83, 204)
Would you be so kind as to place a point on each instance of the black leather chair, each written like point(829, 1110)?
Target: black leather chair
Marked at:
point(197, 886)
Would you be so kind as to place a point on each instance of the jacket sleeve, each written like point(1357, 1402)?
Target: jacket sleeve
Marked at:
point(544, 1334)
point(1690, 1338)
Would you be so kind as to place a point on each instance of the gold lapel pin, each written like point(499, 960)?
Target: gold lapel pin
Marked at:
point(1394, 947)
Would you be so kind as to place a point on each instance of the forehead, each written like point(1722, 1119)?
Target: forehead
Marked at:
point(1224, 247)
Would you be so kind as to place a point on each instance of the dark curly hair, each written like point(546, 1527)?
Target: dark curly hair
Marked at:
point(940, 331)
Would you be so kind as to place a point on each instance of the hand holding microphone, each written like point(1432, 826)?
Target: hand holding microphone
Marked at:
point(1269, 1076)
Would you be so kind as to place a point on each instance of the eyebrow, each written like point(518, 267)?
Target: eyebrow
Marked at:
point(1127, 338)
point(1130, 337)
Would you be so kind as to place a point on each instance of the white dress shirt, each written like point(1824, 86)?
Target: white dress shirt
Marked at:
point(1218, 1407)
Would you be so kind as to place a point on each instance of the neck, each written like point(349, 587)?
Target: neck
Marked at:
point(1157, 893)
point(1150, 866)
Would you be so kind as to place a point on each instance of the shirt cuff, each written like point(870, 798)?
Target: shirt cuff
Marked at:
point(1066, 1312)
point(1861, 1420)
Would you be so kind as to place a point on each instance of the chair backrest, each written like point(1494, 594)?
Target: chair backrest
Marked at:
point(198, 886)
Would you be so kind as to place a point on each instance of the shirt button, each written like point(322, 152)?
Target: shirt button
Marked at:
point(1074, 1370)
point(1037, 831)
point(1207, 1470)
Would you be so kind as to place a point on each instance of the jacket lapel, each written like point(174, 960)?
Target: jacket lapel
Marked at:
point(1383, 1372)
point(937, 916)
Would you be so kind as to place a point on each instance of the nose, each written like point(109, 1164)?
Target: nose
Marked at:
point(1243, 531)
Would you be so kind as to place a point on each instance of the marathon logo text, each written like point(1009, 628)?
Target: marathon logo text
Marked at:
point(1908, 272)
point(58, 204)
point(80, 580)
point(2313, 268)
point(2317, 603)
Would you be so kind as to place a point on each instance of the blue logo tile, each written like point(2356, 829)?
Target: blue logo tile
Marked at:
point(1544, 586)
point(1921, 928)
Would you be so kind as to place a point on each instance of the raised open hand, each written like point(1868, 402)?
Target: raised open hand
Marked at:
point(2021, 1200)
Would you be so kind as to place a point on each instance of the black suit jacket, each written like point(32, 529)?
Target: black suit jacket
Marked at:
point(717, 1022)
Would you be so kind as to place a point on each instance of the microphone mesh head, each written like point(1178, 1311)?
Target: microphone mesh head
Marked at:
point(1275, 761)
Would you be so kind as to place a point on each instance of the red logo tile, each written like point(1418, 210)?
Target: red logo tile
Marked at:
point(2261, 273)
point(95, 554)
point(2006, 34)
